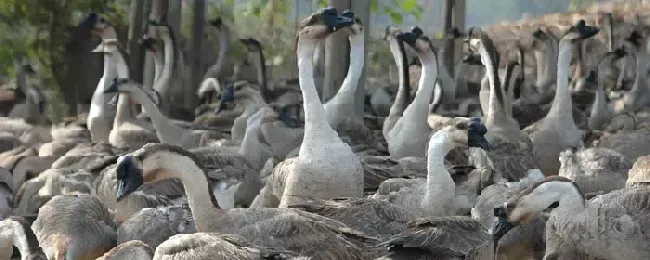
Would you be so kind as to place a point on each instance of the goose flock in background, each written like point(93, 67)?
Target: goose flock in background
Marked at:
point(541, 151)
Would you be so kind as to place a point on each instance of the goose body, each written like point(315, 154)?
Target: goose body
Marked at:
point(623, 215)
point(326, 167)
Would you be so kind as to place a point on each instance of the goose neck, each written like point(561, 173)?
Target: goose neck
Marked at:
point(402, 98)
point(195, 183)
point(540, 67)
point(562, 105)
point(110, 71)
point(440, 186)
point(162, 84)
point(355, 68)
point(165, 129)
point(496, 113)
point(124, 101)
point(109, 33)
point(159, 62)
point(313, 107)
point(427, 79)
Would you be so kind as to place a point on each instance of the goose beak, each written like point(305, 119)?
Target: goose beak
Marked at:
point(502, 225)
point(408, 37)
point(129, 177)
point(334, 21)
point(476, 135)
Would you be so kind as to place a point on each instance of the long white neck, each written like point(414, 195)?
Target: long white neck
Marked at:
point(440, 190)
point(550, 70)
point(251, 146)
point(166, 130)
point(420, 104)
point(159, 62)
point(562, 104)
point(196, 187)
point(124, 101)
point(343, 101)
point(599, 110)
point(162, 85)
point(109, 33)
point(398, 106)
point(110, 72)
point(565, 193)
point(540, 58)
point(496, 114)
point(315, 122)
point(641, 67)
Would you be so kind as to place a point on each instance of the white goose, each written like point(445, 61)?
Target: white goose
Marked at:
point(612, 226)
point(326, 167)
point(558, 131)
point(411, 132)
point(436, 196)
point(511, 156)
point(101, 114)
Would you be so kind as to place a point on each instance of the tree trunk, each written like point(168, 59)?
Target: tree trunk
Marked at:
point(337, 56)
point(447, 24)
point(361, 9)
point(136, 53)
point(195, 55)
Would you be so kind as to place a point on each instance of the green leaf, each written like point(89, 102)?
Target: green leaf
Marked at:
point(397, 18)
point(409, 5)
point(374, 6)
point(322, 3)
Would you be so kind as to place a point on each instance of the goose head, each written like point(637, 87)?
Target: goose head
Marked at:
point(149, 44)
point(356, 29)
point(581, 31)
point(465, 133)
point(321, 24)
point(419, 42)
point(538, 197)
point(94, 23)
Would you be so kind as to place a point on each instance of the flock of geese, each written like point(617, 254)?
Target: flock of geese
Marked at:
point(528, 162)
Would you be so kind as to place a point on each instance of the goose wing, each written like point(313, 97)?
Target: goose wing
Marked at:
point(634, 202)
point(373, 217)
point(376, 170)
point(449, 236)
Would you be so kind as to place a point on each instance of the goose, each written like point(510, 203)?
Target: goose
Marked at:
point(408, 136)
point(74, 227)
point(135, 250)
point(323, 158)
point(623, 214)
point(154, 226)
point(518, 242)
point(33, 193)
point(512, 154)
point(402, 99)
point(104, 187)
point(601, 111)
point(152, 47)
point(638, 175)
point(32, 108)
point(437, 196)
point(310, 234)
point(15, 232)
point(127, 131)
point(101, 115)
point(636, 98)
point(166, 131)
point(212, 246)
point(595, 169)
point(213, 76)
point(281, 132)
point(340, 109)
point(557, 131)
